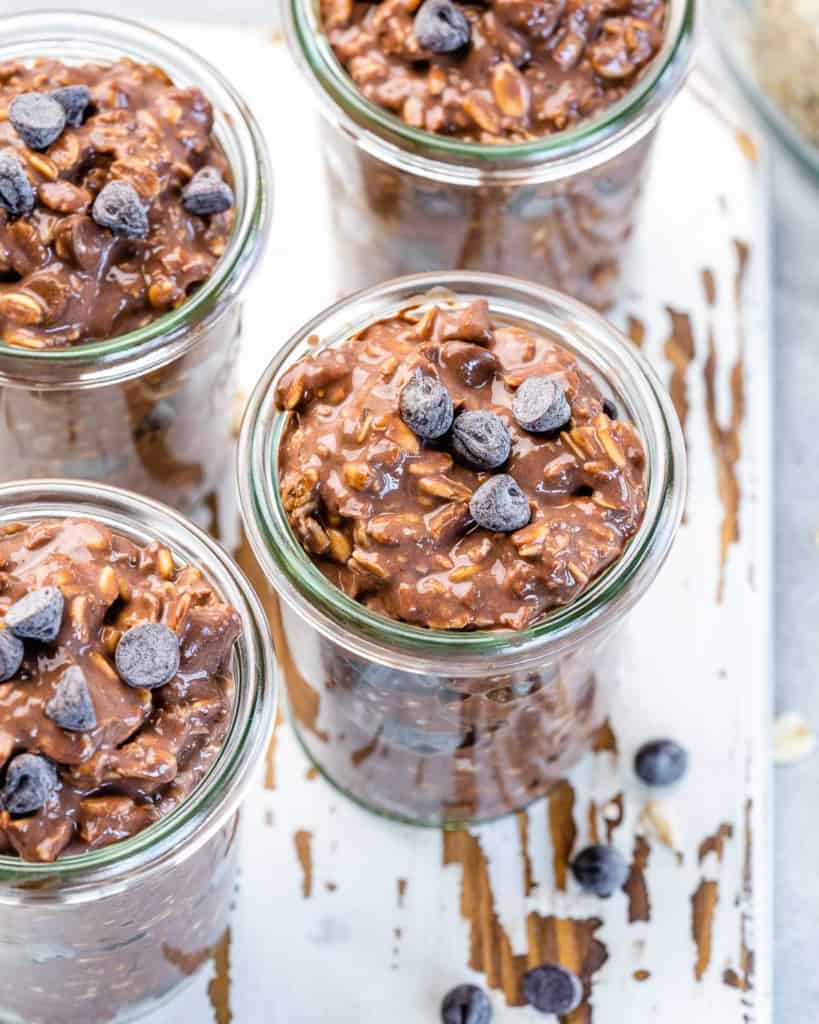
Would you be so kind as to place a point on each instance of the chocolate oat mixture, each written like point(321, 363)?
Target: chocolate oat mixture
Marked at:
point(500, 71)
point(115, 685)
point(115, 200)
point(455, 471)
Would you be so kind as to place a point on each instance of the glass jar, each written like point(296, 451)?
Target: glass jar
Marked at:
point(152, 409)
point(440, 727)
point(558, 210)
point(113, 933)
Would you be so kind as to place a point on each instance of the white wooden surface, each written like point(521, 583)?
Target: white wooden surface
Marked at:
point(326, 936)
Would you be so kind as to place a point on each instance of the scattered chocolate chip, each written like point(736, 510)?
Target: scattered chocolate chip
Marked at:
point(540, 405)
point(481, 440)
point(16, 193)
point(119, 208)
point(148, 655)
point(661, 762)
point(37, 616)
point(31, 781)
point(441, 27)
point(466, 1004)
point(71, 706)
point(600, 870)
point(426, 407)
point(74, 100)
point(500, 505)
point(11, 654)
point(207, 193)
point(550, 988)
point(609, 408)
point(38, 119)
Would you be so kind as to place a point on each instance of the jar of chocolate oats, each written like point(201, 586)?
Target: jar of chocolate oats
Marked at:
point(458, 485)
point(122, 769)
point(131, 216)
point(523, 151)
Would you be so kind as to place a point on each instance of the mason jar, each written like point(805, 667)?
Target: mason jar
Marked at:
point(443, 727)
point(152, 409)
point(558, 210)
point(112, 933)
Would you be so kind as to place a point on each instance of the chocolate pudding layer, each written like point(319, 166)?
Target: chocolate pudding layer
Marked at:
point(504, 71)
point(451, 470)
point(103, 225)
point(115, 685)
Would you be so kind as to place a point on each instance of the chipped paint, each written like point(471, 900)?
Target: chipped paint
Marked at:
point(303, 841)
point(709, 286)
point(636, 889)
point(636, 330)
point(605, 740)
point(703, 905)
point(716, 843)
point(562, 830)
point(186, 963)
point(219, 985)
point(402, 884)
point(270, 756)
point(613, 814)
point(680, 351)
point(526, 860)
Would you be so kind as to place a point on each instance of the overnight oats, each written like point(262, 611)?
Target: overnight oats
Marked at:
point(458, 484)
point(511, 136)
point(135, 698)
point(133, 205)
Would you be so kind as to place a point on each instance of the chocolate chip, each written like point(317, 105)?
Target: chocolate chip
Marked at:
point(466, 1004)
point(148, 655)
point(600, 870)
point(11, 654)
point(661, 762)
point(441, 27)
point(609, 408)
point(475, 366)
point(550, 988)
point(16, 193)
point(74, 100)
point(71, 706)
point(37, 616)
point(38, 119)
point(119, 208)
point(500, 505)
point(426, 407)
point(30, 783)
point(540, 405)
point(481, 440)
point(206, 193)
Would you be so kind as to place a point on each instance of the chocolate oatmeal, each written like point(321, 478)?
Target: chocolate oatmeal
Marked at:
point(115, 685)
point(504, 71)
point(103, 226)
point(451, 470)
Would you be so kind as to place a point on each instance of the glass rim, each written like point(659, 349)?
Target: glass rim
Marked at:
point(236, 263)
point(303, 585)
point(178, 834)
point(639, 107)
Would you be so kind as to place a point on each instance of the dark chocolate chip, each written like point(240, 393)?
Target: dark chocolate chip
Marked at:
point(550, 988)
point(426, 407)
point(466, 1004)
point(481, 440)
point(37, 616)
point(31, 781)
point(71, 706)
point(441, 27)
point(148, 655)
point(207, 193)
point(500, 505)
point(38, 119)
point(609, 408)
point(119, 208)
point(600, 870)
point(74, 100)
point(11, 654)
point(475, 366)
point(661, 762)
point(16, 193)
point(540, 405)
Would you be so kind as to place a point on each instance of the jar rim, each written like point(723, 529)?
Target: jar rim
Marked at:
point(177, 835)
point(599, 346)
point(561, 154)
point(97, 36)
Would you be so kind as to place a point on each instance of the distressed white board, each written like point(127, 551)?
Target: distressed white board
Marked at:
point(342, 945)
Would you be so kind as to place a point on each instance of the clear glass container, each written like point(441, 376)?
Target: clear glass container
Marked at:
point(439, 727)
point(111, 934)
point(150, 410)
point(558, 211)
